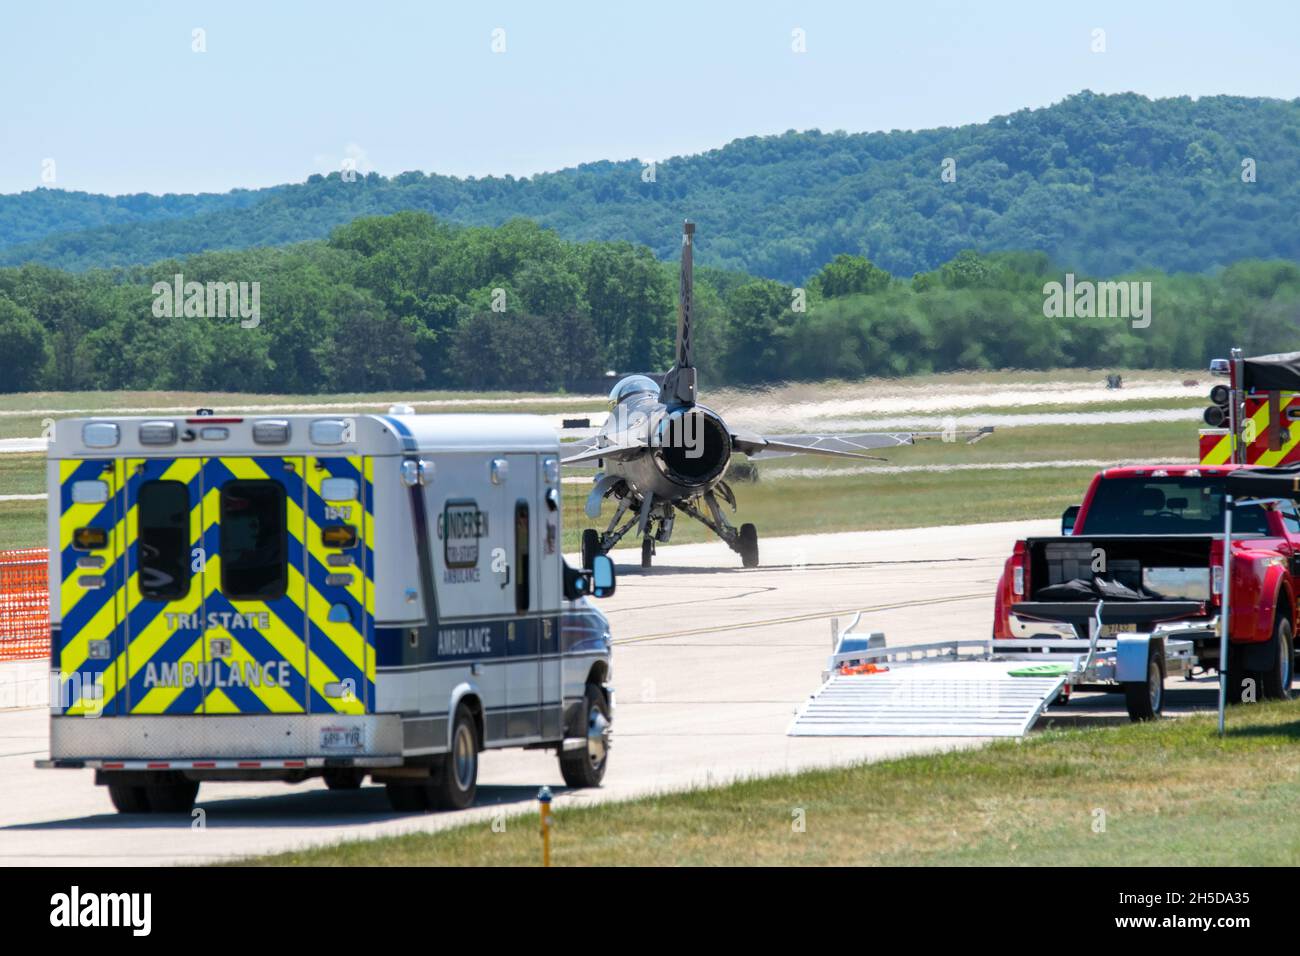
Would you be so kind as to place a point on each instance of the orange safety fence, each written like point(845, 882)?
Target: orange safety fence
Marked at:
point(24, 604)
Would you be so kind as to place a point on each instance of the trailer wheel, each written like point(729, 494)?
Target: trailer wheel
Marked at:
point(647, 551)
point(455, 780)
point(173, 796)
point(586, 767)
point(590, 547)
point(128, 798)
point(1146, 699)
point(1275, 683)
point(748, 546)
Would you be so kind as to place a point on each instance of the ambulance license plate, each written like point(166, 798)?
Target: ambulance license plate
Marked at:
point(347, 738)
point(1110, 630)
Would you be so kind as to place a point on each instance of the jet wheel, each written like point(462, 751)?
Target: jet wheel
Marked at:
point(747, 545)
point(590, 547)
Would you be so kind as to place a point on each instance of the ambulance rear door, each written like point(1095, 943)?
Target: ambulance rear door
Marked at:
point(255, 580)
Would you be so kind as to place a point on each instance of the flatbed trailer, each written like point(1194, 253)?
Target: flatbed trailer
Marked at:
point(986, 687)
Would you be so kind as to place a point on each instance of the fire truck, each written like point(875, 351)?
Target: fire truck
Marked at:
point(1251, 418)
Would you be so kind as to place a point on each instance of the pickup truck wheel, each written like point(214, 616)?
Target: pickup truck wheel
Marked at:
point(586, 767)
point(590, 547)
point(455, 782)
point(176, 796)
point(1146, 699)
point(1275, 683)
point(128, 798)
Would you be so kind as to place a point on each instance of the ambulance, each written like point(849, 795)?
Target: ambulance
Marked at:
point(338, 596)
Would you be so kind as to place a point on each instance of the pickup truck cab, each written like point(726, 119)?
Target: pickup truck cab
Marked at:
point(1148, 542)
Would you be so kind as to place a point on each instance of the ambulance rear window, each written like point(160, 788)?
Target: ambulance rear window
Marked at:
point(254, 541)
point(163, 540)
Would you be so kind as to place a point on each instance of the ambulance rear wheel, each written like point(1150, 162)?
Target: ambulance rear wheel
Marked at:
point(407, 797)
point(128, 798)
point(174, 796)
point(647, 551)
point(590, 547)
point(747, 545)
point(585, 767)
point(343, 779)
point(455, 781)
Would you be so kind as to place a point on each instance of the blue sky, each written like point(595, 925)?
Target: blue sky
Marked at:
point(115, 95)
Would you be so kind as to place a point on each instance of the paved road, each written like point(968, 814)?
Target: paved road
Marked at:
point(711, 661)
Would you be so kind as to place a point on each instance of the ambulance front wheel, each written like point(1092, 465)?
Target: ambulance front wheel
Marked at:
point(585, 766)
point(590, 547)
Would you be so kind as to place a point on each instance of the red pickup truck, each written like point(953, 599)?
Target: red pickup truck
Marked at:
point(1148, 542)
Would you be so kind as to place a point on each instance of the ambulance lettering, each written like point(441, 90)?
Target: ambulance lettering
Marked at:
point(217, 674)
point(460, 527)
point(457, 641)
point(229, 620)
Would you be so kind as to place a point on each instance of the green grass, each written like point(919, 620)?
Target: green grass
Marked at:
point(824, 501)
point(1170, 793)
point(829, 501)
point(22, 474)
point(872, 502)
point(22, 524)
point(26, 415)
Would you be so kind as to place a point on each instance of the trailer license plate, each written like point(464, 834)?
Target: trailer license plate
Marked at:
point(347, 738)
point(1110, 630)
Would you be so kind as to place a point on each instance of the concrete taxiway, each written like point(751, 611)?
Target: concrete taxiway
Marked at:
point(710, 663)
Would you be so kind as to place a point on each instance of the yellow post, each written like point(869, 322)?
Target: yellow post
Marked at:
point(544, 804)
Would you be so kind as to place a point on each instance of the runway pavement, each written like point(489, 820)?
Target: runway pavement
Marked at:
point(710, 663)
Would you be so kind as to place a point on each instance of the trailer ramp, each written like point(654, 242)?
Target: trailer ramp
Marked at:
point(946, 699)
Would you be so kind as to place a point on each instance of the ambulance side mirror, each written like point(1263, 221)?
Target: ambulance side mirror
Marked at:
point(602, 576)
point(598, 582)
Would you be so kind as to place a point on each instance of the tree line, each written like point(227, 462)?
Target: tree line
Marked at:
point(408, 301)
point(1107, 183)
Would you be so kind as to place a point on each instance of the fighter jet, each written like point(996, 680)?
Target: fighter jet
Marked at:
point(660, 452)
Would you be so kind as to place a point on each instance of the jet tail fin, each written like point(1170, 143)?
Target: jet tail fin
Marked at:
point(679, 384)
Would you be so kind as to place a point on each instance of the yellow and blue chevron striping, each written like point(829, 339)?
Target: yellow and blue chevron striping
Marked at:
point(309, 648)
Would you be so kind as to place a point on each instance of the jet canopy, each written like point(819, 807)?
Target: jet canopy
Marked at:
point(632, 385)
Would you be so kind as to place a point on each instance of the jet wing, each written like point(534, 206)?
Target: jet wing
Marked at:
point(834, 446)
point(590, 449)
point(842, 446)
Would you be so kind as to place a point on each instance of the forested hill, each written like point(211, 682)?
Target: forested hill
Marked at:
point(1099, 183)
